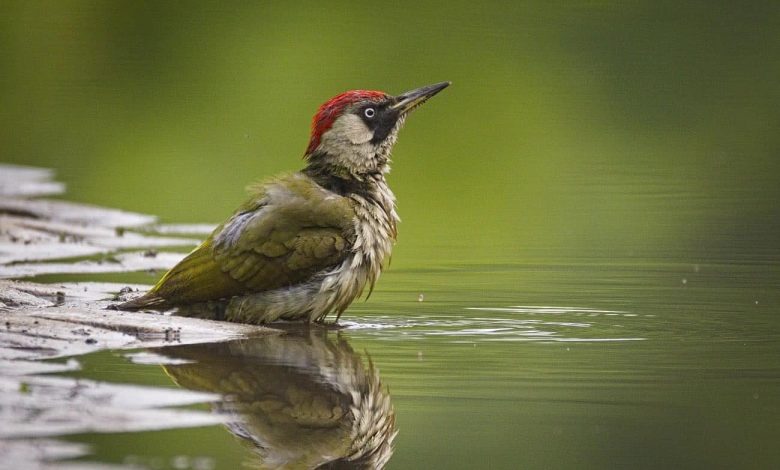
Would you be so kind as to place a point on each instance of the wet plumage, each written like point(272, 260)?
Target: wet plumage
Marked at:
point(306, 244)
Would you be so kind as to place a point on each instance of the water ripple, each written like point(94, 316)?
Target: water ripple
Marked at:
point(514, 323)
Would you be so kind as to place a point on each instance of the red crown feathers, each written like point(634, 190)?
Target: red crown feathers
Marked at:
point(331, 109)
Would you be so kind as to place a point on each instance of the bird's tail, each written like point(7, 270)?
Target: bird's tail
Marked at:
point(151, 301)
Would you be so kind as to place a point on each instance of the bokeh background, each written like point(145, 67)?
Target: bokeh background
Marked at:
point(557, 110)
point(605, 154)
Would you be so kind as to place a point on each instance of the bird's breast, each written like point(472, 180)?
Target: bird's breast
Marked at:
point(375, 225)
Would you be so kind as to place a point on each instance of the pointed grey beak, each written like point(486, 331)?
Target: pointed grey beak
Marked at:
point(406, 102)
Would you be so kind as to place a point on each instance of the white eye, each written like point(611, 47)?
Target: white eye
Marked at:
point(369, 112)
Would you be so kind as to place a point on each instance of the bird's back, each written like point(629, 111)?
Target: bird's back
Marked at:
point(288, 230)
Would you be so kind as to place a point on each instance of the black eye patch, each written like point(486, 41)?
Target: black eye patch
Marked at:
point(381, 122)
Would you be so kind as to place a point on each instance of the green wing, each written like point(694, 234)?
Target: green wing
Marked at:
point(288, 231)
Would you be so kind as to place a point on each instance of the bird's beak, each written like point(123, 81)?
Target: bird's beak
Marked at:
point(406, 102)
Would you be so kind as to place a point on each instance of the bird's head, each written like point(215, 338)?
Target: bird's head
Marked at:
point(353, 133)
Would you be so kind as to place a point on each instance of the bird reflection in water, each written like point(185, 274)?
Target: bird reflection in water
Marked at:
point(302, 399)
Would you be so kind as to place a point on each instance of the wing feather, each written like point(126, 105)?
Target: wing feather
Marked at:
point(290, 230)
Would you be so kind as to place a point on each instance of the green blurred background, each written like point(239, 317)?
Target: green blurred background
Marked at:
point(598, 154)
point(557, 113)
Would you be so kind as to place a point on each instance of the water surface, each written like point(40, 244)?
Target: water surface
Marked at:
point(588, 268)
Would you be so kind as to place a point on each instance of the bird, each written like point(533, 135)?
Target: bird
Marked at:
point(307, 244)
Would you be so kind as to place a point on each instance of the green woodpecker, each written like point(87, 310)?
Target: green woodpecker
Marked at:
point(307, 244)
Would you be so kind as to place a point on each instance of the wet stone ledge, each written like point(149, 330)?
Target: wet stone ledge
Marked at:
point(40, 236)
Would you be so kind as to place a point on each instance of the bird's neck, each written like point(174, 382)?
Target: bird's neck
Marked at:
point(369, 190)
point(342, 180)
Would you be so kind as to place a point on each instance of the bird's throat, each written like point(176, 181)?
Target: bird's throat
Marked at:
point(342, 180)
